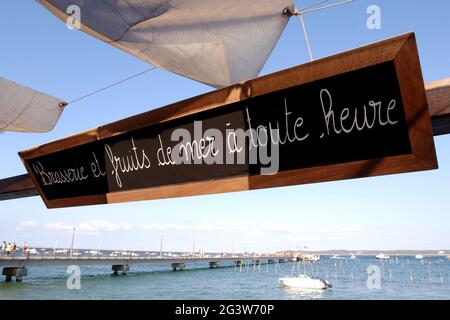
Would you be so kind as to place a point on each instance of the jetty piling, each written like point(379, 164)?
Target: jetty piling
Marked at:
point(17, 272)
point(116, 268)
point(178, 266)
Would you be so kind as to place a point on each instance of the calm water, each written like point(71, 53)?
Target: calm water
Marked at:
point(401, 278)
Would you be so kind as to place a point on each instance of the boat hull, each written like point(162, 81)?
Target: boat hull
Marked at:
point(306, 284)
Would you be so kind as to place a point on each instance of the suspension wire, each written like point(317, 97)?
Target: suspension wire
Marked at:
point(325, 7)
point(306, 37)
point(301, 12)
point(313, 5)
point(107, 87)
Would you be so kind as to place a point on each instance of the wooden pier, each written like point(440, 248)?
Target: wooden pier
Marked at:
point(18, 266)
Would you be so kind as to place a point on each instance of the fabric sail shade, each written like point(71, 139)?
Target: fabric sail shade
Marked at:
point(23, 109)
point(215, 42)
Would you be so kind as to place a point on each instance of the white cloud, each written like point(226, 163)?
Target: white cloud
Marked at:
point(101, 226)
point(29, 224)
point(58, 226)
point(157, 226)
point(89, 227)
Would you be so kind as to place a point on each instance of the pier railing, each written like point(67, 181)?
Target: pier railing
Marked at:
point(99, 260)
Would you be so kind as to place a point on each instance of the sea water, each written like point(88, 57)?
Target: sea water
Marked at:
point(360, 278)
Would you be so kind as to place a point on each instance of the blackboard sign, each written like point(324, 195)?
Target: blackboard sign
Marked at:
point(357, 114)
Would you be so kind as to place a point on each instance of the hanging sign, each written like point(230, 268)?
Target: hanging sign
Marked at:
point(356, 114)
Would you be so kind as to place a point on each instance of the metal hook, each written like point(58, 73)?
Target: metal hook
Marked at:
point(287, 11)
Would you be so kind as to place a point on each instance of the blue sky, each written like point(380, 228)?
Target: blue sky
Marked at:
point(409, 211)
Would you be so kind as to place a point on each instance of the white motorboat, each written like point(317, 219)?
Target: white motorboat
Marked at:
point(335, 257)
point(352, 256)
point(310, 257)
point(305, 282)
point(419, 256)
point(382, 256)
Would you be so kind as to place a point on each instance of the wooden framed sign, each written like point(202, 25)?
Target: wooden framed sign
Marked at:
point(356, 114)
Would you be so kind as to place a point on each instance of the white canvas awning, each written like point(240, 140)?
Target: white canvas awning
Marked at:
point(217, 42)
point(26, 110)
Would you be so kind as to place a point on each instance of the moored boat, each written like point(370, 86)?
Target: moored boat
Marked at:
point(382, 256)
point(305, 282)
point(310, 257)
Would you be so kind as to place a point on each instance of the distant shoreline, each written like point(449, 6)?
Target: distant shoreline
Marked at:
point(375, 252)
point(342, 252)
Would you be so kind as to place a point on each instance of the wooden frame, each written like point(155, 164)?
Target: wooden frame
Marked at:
point(438, 97)
point(402, 50)
point(17, 187)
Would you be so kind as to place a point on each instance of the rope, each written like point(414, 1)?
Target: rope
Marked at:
point(107, 87)
point(301, 12)
point(324, 7)
point(306, 37)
